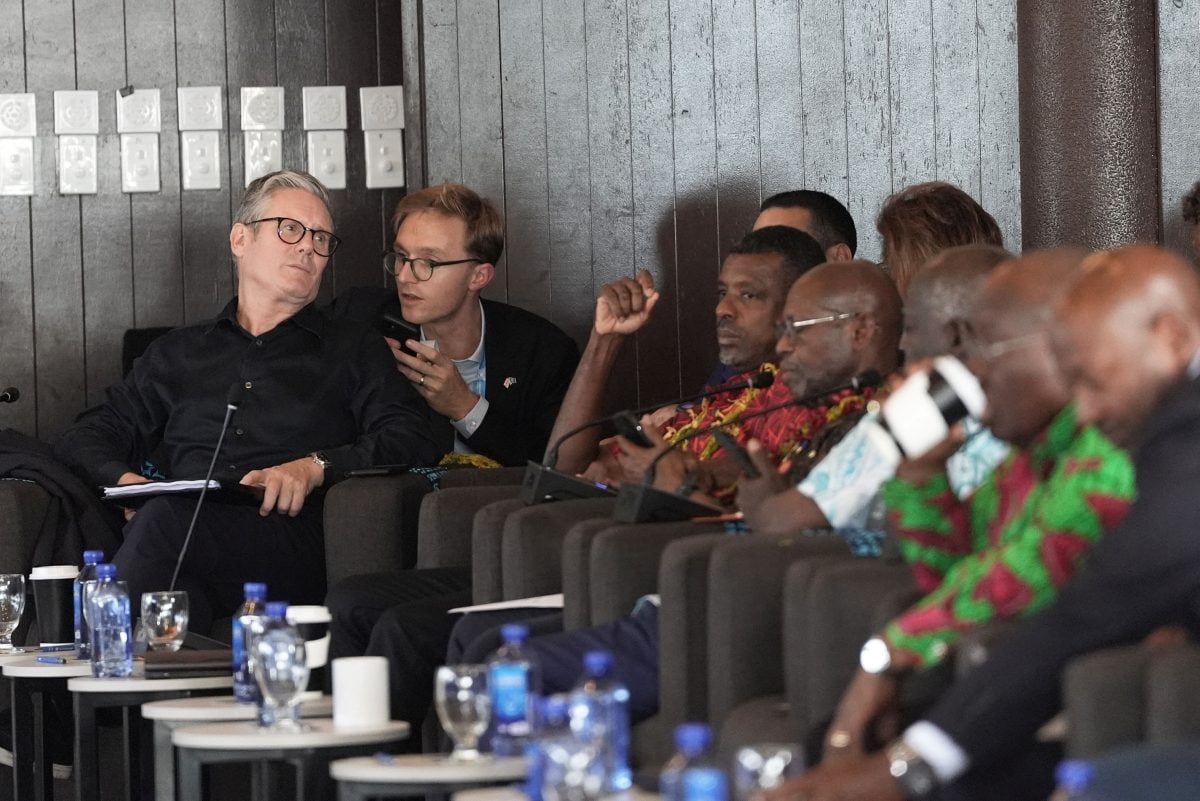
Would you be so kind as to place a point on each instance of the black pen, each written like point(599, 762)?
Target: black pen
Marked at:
point(52, 660)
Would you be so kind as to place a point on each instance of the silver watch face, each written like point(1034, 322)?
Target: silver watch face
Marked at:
point(875, 657)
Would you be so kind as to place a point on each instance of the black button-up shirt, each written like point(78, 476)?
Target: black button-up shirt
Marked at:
point(312, 383)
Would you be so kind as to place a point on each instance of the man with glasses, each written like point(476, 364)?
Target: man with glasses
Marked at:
point(1005, 551)
point(496, 372)
point(315, 397)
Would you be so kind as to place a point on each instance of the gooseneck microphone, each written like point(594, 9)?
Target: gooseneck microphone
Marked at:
point(10, 395)
point(645, 503)
point(760, 380)
point(543, 483)
point(233, 399)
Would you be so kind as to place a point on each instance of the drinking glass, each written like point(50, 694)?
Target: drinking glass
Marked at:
point(573, 769)
point(12, 604)
point(164, 619)
point(281, 672)
point(463, 706)
point(761, 767)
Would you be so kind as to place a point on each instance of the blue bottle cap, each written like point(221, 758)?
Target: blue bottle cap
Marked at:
point(1075, 775)
point(93, 557)
point(514, 633)
point(106, 571)
point(598, 663)
point(255, 591)
point(692, 739)
point(553, 710)
point(277, 609)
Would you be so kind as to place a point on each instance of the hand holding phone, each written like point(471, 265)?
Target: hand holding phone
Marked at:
point(393, 326)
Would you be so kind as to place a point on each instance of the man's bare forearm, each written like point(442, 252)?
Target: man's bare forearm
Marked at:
point(584, 402)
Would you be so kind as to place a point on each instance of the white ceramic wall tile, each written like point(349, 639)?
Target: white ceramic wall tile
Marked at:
point(16, 166)
point(76, 164)
point(199, 158)
point(139, 162)
point(382, 107)
point(18, 115)
point(262, 108)
point(327, 157)
point(200, 108)
point(385, 158)
point(263, 153)
point(324, 108)
point(77, 112)
point(139, 112)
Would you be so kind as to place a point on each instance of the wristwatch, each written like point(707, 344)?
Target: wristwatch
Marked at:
point(320, 459)
point(875, 657)
point(914, 775)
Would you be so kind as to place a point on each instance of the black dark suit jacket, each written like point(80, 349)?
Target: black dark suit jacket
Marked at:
point(531, 351)
point(1142, 574)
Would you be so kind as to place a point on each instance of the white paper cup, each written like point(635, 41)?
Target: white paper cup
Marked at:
point(360, 691)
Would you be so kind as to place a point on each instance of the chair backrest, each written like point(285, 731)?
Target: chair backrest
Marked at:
point(134, 344)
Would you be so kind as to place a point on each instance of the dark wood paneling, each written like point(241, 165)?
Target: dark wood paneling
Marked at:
point(250, 61)
point(393, 63)
point(443, 110)
point(525, 186)
point(57, 277)
point(107, 271)
point(157, 252)
point(16, 275)
point(413, 56)
point(299, 25)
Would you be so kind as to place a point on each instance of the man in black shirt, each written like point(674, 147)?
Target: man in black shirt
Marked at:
point(318, 397)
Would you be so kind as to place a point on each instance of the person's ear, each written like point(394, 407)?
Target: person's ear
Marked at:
point(958, 331)
point(1175, 337)
point(481, 276)
point(839, 252)
point(237, 238)
point(862, 330)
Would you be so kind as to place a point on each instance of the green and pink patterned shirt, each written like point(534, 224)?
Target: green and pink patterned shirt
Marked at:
point(1007, 549)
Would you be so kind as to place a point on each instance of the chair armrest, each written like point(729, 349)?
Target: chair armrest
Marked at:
point(683, 629)
point(493, 477)
point(1105, 697)
point(576, 571)
point(447, 516)
point(745, 613)
point(531, 553)
point(1173, 695)
point(487, 539)
point(371, 524)
point(624, 564)
point(828, 614)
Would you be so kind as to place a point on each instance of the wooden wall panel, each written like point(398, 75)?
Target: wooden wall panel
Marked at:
point(54, 224)
point(868, 118)
point(999, 142)
point(443, 106)
point(736, 104)
point(780, 122)
point(956, 94)
point(16, 273)
point(106, 268)
point(823, 91)
point(1179, 75)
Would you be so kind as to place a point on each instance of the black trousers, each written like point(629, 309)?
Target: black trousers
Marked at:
point(404, 617)
point(232, 544)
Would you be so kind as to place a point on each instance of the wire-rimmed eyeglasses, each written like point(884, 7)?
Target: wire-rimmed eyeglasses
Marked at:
point(422, 269)
point(292, 231)
point(790, 327)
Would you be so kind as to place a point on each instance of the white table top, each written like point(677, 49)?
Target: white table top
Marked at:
point(28, 667)
point(248, 736)
point(138, 683)
point(427, 769)
point(510, 793)
point(32, 650)
point(225, 707)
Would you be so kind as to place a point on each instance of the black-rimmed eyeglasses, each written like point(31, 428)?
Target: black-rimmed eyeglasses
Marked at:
point(790, 327)
point(292, 231)
point(422, 269)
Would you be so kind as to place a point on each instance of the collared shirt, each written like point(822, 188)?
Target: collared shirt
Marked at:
point(312, 383)
point(473, 371)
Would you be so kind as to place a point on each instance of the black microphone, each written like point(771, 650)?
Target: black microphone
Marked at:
point(760, 380)
point(644, 503)
point(543, 483)
point(10, 395)
point(233, 399)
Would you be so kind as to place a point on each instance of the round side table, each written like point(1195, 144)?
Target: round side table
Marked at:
point(420, 774)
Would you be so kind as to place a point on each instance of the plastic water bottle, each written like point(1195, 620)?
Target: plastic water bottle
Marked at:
point(1074, 777)
point(704, 783)
point(553, 726)
point(245, 690)
point(82, 635)
point(514, 682)
point(112, 629)
point(600, 713)
point(691, 746)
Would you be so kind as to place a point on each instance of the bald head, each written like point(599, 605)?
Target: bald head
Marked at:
point(854, 313)
point(941, 297)
point(1010, 343)
point(1130, 329)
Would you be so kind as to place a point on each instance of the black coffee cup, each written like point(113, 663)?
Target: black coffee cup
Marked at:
point(312, 624)
point(53, 595)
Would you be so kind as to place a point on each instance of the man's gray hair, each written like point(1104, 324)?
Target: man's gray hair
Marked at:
point(260, 190)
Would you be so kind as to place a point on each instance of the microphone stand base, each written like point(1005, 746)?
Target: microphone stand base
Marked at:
point(543, 484)
point(643, 503)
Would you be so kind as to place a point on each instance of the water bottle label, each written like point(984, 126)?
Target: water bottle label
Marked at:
point(510, 691)
point(245, 689)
